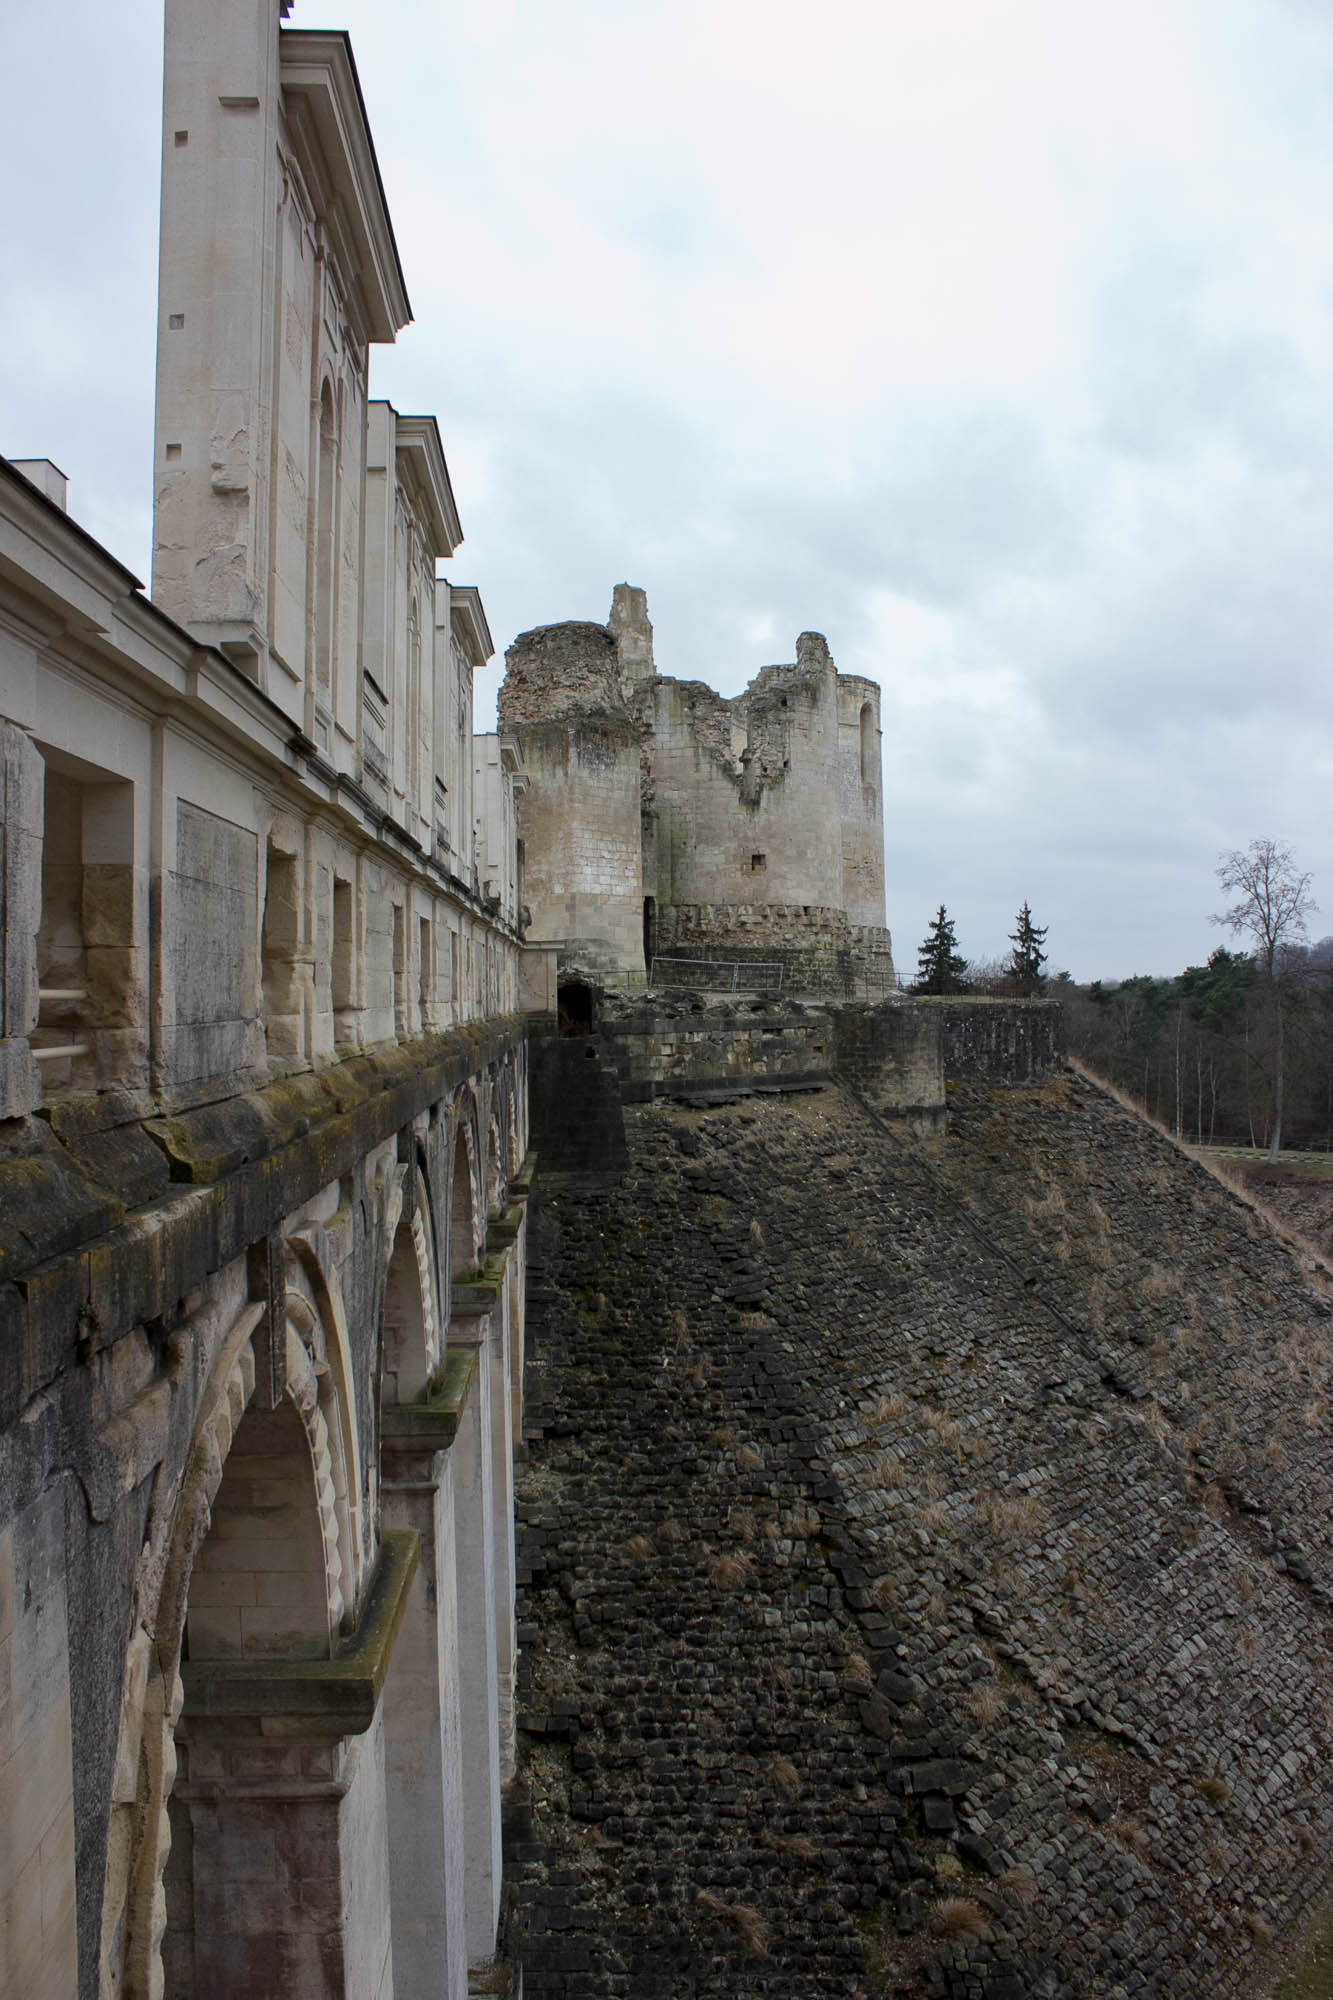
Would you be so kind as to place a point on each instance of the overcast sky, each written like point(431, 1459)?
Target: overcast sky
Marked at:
point(992, 338)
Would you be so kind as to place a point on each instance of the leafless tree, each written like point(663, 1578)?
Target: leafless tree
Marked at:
point(1273, 902)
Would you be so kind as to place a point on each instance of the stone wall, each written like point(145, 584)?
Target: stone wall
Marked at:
point(926, 1564)
point(819, 951)
point(1010, 1041)
point(762, 824)
point(580, 827)
point(687, 1043)
point(892, 1057)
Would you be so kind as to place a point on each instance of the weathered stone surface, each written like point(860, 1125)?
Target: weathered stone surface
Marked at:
point(855, 1578)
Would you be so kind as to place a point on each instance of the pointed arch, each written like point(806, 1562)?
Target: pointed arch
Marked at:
point(409, 1323)
point(254, 1529)
point(495, 1178)
point(464, 1234)
point(317, 1314)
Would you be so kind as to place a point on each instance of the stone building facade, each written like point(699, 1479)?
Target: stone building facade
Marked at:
point(263, 1129)
point(665, 823)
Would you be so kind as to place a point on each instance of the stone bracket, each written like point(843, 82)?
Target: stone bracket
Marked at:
point(431, 1425)
point(320, 1698)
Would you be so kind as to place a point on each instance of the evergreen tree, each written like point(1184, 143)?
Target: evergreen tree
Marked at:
point(1027, 957)
point(939, 969)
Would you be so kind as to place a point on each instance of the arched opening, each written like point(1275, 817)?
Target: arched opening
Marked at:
point(575, 1011)
point(868, 744)
point(407, 1318)
point(494, 1169)
point(324, 539)
point(261, 1580)
point(462, 1211)
point(247, 1568)
point(649, 932)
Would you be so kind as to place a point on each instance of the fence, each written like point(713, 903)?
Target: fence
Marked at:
point(718, 975)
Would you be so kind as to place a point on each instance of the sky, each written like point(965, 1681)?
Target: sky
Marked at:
point(994, 341)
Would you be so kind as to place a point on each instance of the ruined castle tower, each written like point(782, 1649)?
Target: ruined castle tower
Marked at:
point(666, 822)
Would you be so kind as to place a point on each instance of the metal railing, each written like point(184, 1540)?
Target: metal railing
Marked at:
point(719, 975)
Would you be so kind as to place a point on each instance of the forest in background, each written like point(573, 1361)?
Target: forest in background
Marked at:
point(1197, 1049)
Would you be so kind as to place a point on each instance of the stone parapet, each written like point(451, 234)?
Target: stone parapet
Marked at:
point(820, 951)
point(1000, 1041)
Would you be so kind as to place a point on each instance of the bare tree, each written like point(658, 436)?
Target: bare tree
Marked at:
point(1272, 904)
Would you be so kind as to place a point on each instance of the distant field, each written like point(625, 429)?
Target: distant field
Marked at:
point(1297, 1187)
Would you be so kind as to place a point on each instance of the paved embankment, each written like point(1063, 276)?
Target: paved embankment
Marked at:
point(927, 1555)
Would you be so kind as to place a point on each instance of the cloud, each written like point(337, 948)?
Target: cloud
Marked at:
point(996, 342)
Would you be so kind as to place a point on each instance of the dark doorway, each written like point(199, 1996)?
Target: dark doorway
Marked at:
point(649, 933)
point(574, 1009)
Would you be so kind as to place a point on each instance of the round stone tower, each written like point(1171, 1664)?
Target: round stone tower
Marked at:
point(579, 820)
point(860, 800)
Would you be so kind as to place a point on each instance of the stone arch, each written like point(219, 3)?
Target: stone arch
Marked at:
point(209, 1508)
point(464, 1236)
point(409, 1322)
point(316, 1313)
point(494, 1166)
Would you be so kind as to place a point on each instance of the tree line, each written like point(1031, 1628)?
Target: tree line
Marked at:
point(1238, 1051)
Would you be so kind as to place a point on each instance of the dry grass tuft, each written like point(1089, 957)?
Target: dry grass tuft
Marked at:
point(795, 1844)
point(885, 1592)
point(729, 1572)
point(747, 1923)
point(986, 1703)
point(958, 1917)
point(743, 1522)
point(1159, 1284)
point(1216, 1790)
point(639, 1547)
point(1012, 1517)
point(785, 1776)
point(857, 1672)
point(671, 1531)
point(1127, 1833)
point(757, 1234)
point(698, 1375)
point(948, 1431)
point(748, 1456)
point(1258, 1927)
point(1021, 1884)
point(754, 1322)
point(885, 1474)
point(678, 1326)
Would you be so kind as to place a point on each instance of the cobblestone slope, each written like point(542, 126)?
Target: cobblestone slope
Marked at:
point(927, 1561)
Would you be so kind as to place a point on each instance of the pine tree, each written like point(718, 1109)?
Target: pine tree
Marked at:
point(939, 969)
point(1027, 957)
